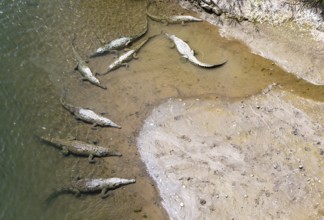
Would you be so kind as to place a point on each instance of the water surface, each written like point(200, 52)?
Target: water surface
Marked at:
point(36, 62)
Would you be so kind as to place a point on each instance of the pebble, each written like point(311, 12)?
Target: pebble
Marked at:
point(202, 202)
point(226, 196)
point(245, 196)
point(181, 204)
point(300, 166)
point(307, 149)
point(321, 151)
point(139, 209)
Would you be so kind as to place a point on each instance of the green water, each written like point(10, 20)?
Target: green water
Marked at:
point(35, 61)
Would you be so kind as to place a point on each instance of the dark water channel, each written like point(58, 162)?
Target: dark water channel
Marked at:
point(36, 63)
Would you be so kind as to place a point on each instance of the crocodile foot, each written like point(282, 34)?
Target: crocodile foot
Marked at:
point(91, 159)
point(105, 193)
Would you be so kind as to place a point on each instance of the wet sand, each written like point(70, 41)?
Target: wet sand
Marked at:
point(157, 75)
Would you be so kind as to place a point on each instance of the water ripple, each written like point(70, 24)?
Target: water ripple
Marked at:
point(35, 51)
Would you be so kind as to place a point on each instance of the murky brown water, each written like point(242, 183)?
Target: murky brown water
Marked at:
point(156, 75)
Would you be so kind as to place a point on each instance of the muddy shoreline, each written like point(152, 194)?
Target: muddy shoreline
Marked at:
point(159, 74)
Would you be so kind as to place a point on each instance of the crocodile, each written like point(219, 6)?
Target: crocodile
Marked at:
point(187, 53)
point(176, 19)
point(89, 116)
point(87, 185)
point(123, 59)
point(80, 148)
point(119, 43)
point(84, 69)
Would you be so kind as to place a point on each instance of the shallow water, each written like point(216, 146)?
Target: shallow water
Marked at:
point(36, 61)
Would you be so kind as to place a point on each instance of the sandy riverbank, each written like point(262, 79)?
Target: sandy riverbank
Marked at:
point(255, 156)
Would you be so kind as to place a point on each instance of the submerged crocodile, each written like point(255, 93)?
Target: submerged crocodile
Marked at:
point(123, 59)
point(84, 69)
point(176, 19)
point(88, 185)
point(119, 43)
point(80, 148)
point(89, 116)
point(187, 53)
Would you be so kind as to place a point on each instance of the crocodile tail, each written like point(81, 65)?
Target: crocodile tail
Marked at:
point(73, 40)
point(57, 193)
point(65, 105)
point(140, 45)
point(72, 44)
point(153, 17)
point(149, 2)
point(102, 86)
point(142, 33)
point(75, 53)
point(51, 141)
point(44, 139)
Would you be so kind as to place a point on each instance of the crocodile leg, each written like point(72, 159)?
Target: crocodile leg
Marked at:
point(165, 22)
point(115, 52)
point(90, 159)
point(183, 59)
point(71, 137)
point(76, 192)
point(65, 151)
point(104, 193)
point(82, 81)
point(135, 56)
point(126, 65)
point(94, 127)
